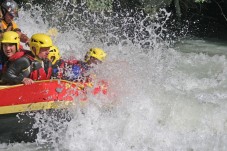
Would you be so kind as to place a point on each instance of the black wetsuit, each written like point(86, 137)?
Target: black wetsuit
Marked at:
point(21, 68)
point(16, 71)
point(3, 59)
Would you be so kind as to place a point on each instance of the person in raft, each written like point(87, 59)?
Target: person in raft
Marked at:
point(30, 66)
point(9, 10)
point(78, 70)
point(93, 57)
point(57, 63)
point(74, 70)
point(10, 49)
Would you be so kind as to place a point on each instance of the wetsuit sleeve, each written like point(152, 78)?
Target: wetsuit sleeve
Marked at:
point(1, 63)
point(15, 72)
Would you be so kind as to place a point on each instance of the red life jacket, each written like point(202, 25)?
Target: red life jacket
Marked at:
point(35, 73)
point(39, 73)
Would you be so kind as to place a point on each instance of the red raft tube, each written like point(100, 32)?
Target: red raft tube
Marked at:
point(47, 94)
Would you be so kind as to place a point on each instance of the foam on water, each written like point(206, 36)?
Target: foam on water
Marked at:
point(159, 99)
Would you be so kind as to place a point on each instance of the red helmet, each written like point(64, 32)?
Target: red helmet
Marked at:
point(11, 7)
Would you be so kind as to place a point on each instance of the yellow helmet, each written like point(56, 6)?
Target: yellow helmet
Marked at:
point(38, 41)
point(54, 54)
point(96, 53)
point(11, 37)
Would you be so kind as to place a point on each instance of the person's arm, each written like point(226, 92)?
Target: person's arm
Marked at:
point(23, 37)
point(15, 73)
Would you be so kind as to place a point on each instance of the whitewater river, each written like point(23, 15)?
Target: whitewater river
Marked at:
point(166, 98)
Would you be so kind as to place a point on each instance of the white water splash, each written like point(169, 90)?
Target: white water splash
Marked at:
point(160, 99)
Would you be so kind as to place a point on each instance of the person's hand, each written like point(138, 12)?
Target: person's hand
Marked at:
point(27, 81)
point(24, 38)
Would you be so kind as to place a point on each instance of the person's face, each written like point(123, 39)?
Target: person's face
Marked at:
point(43, 53)
point(9, 49)
point(8, 18)
point(93, 60)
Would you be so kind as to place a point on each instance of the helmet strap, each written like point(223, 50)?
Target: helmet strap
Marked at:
point(34, 50)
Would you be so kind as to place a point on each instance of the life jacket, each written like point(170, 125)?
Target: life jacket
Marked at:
point(84, 77)
point(39, 70)
point(4, 25)
point(71, 70)
point(83, 68)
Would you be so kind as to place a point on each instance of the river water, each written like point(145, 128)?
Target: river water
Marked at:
point(168, 97)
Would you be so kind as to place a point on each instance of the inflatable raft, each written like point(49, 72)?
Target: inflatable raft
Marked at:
point(41, 95)
point(17, 100)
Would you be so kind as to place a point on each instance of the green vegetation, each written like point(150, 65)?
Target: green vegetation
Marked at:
point(179, 7)
point(149, 6)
